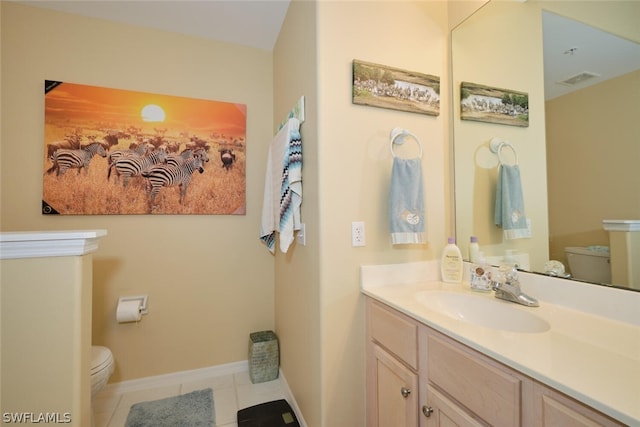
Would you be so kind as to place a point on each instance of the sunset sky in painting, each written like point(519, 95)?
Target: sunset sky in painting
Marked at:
point(121, 108)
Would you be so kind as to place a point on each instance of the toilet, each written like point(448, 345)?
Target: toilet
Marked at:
point(101, 368)
point(591, 263)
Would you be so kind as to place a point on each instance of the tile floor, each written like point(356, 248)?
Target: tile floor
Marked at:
point(230, 393)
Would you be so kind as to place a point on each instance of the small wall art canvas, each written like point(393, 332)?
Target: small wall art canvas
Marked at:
point(493, 105)
point(115, 152)
point(387, 87)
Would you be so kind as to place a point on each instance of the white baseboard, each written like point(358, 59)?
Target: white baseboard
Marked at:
point(177, 377)
point(194, 375)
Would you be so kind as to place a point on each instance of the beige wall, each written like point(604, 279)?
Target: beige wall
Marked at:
point(355, 165)
point(297, 283)
point(319, 310)
point(210, 281)
point(592, 158)
point(460, 10)
point(46, 329)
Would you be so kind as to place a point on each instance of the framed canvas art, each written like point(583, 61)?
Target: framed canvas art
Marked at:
point(388, 87)
point(493, 105)
point(118, 152)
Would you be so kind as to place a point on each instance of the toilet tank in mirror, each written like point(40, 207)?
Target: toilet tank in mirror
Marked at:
point(577, 156)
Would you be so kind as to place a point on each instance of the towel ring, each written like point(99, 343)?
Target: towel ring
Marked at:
point(497, 145)
point(399, 132)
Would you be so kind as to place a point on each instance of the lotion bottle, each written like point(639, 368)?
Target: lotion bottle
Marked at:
point(451, 263)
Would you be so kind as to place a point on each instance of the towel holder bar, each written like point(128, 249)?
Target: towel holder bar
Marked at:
point(398, 136)
point(496, 145)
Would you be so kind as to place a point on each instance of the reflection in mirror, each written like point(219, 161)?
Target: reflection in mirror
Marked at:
point(579, 156)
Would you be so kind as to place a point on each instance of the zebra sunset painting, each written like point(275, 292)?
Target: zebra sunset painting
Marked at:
point(120, 152)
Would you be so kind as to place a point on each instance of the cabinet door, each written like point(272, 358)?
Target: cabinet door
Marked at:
point(396, 387)
point(445, 413)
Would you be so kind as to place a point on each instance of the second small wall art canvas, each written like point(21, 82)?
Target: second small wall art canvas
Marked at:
point(117, 152)
point(393, 88)
point(493, 105)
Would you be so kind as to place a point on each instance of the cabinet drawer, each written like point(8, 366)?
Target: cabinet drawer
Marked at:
point(556, 409)
point(397, 333)
point(484, 388)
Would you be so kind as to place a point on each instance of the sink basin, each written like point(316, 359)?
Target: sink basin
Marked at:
point(481, 311)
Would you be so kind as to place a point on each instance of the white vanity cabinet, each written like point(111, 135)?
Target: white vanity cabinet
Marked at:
point(419, 377)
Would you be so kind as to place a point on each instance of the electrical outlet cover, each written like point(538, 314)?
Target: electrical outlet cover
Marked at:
point(357, 233)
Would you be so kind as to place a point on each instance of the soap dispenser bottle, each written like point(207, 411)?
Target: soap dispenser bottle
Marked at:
point(474, 249)
point(451, 262)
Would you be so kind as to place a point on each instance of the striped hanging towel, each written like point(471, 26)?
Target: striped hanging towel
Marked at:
point(283, 188)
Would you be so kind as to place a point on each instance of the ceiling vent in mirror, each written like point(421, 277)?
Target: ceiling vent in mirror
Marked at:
point(579, 78)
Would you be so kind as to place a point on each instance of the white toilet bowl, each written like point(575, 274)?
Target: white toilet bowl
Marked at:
point(590, 263)
point(101, 368)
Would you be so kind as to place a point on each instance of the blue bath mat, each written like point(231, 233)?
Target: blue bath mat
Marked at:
point(193, 409)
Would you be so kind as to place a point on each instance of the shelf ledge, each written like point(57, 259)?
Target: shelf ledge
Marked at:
point(38, 244)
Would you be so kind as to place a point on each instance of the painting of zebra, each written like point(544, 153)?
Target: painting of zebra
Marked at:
point(129, 148)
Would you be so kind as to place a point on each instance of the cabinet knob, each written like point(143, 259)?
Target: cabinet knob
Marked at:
point(405, 392)
point(427, 410)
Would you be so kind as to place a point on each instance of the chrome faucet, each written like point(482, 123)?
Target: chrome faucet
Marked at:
point(507, 287)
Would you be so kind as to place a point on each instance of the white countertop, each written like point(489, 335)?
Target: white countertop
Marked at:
point(593, 358)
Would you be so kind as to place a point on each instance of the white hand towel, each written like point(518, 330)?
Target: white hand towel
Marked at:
point(283, 187)
point(406, 202)
point(509, 209)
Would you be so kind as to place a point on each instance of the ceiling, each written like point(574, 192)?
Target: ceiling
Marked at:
point(575, 49)
point(254, 23)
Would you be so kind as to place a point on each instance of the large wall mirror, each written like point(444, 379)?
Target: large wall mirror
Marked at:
point(579, 156)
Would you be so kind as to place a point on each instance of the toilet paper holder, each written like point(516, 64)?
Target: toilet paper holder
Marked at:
point(143, 302)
